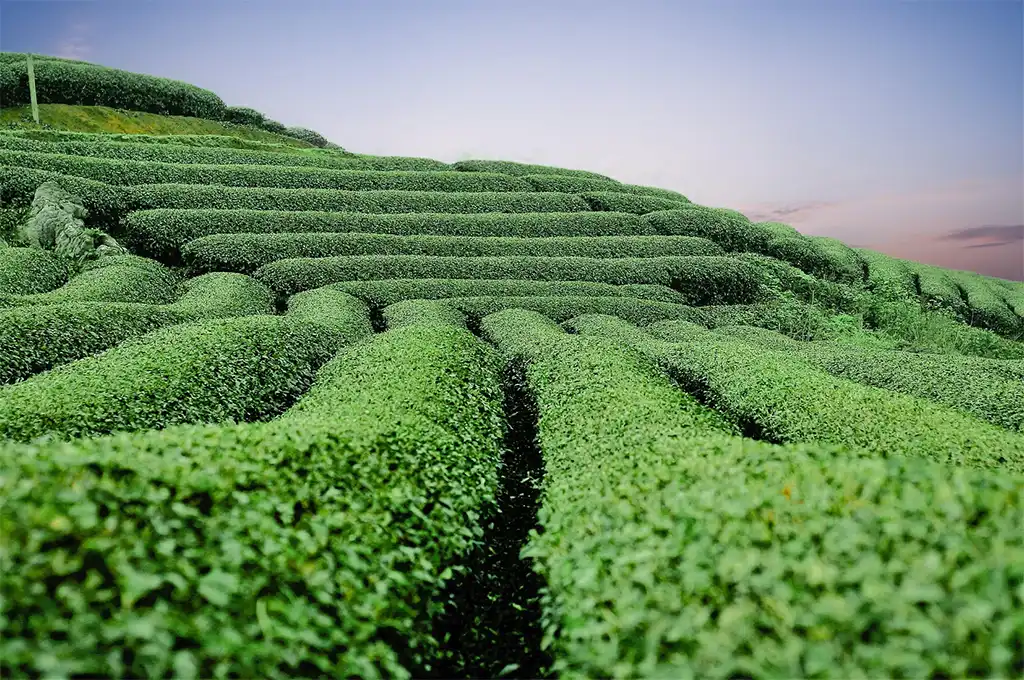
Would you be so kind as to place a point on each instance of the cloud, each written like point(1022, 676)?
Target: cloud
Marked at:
point(1002, 233)
point(76, 42)
point(786, 212)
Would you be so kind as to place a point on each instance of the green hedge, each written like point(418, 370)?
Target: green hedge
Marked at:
point(523, 169)
point(59, 82)
point(987, 308)
point(107, 204)
point(562, 307)
point(39, 337)
point(845, 264)
point(189, 196)
point(163, 232)
point(776, 229)
point(410, 312)
point(26, 271)
point(126, 173)
point(816, 258)
point(186, 150)
point(963, 383)
point(670, 549)
point(887, 274)
point(118, 278)
point(17, 57)
point(248, 252)
point(938, 289)
point(217, 142)
point(781, 397)
point(610, 201)
point(221, 370)
point(384, 292)
point(785, 277)
point(727, 228)
point(567, 184)
point(315, 544)
point(702, 280)
point(792, 318)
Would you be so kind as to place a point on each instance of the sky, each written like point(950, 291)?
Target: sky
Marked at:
point(896, 125)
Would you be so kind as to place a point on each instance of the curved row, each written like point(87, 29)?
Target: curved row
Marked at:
point(992, 391)
point(246, 253)
point(780, 396)
point(121, 278)
point(671, 548)
point(129, 173)
point(384, 292)
point(36, 338)
point(702, 280)
point(313, 544)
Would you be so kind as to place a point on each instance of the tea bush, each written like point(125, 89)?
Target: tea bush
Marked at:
point(26, 271)
point(119, 278)
point(314, 544)
point(780, 396)
point(567, 184)
point(238, 369)
point(702, 280)
point(131, 172)
point(611, 201)
point(248, 252)
point(971, 385)
point(67, 82)
point(163, 232)
point(384, 292)
point(523, 169)
point(36, 338)
point(671, 548)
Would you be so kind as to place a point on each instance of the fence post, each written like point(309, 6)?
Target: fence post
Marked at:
point(32, 90)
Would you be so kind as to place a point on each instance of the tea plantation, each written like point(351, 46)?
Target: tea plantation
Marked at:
point(283, 410)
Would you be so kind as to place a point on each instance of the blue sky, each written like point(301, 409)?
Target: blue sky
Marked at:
point(889, 124)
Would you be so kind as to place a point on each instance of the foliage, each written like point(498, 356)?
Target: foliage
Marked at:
point(523, 169)
point(384, 292)
point(118, 278)
point(779, 396)
point(36, 338)
point(570, 184)
point(162, 232)
point(186, 149)
point(701, 279)
point(64, 82)
point(237, 369)
point(613, 201)
point(247, 252)
point(986, 391)
point(314, 138)
point(130, 172)
point(671, 548)
point(161, 130)
point(564, 307)
point(311, 545)
point(24, 271)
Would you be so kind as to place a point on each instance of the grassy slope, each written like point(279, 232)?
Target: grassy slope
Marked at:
point(104, 119)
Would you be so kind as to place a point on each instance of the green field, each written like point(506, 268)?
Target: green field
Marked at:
point(269, 408)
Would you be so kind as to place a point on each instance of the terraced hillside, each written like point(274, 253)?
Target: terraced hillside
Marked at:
point(271, 413)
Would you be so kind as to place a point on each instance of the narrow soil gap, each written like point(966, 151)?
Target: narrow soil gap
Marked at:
point(702, 392)
point(280, 304)
point(917, 284)
point(492, 626)
point(377, 321)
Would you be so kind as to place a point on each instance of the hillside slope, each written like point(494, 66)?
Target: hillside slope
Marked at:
point(297, 411)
